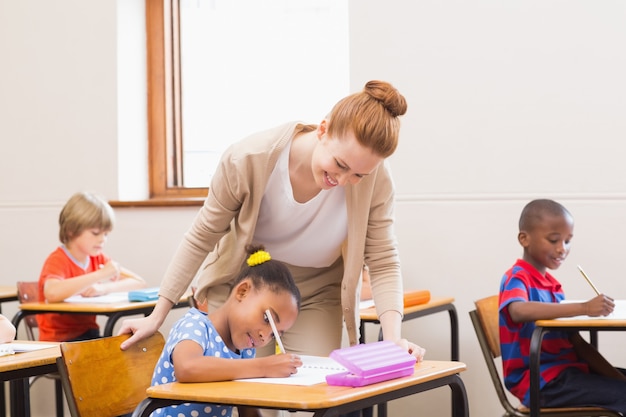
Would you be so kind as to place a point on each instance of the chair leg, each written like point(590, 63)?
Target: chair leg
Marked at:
point(58, 392)
point(3, 401)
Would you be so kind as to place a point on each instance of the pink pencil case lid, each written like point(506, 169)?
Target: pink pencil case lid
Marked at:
point(371, 363)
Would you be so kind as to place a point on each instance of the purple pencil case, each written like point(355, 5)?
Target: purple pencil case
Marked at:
point(371, 363)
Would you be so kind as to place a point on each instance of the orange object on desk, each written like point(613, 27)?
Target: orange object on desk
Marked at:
point(416, 297)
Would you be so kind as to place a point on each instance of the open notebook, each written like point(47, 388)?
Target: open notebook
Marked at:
point(352, 366)
point(144, 294)
point(313, 371)
point(16, 347)
point(114, 297)
point(618, 314)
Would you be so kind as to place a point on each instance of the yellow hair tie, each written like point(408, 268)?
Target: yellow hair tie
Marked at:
point(258, 257)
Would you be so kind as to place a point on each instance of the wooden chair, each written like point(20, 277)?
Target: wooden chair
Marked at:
point(27, 291)
point(101, 380)
point(485, 321)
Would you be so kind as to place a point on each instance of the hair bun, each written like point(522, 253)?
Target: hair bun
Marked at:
point(258, 257)
point(388, 96)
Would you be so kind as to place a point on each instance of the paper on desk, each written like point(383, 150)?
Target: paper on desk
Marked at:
point(618, 314)
point(15, 347)
point(114, 297)
point(313, 371)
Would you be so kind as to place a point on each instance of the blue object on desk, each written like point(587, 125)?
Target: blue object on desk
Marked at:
point(145, 294)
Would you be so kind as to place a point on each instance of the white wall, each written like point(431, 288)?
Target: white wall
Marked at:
point(508, 101)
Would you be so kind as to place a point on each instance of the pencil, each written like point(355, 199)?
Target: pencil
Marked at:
point(268, 313)
point(588, 280)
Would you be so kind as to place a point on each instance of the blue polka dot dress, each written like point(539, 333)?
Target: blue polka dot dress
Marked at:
point(196, 326)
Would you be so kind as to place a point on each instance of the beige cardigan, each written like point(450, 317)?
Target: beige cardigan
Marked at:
point(226, 224)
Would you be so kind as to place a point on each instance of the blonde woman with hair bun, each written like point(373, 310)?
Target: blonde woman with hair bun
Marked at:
point(321, 199)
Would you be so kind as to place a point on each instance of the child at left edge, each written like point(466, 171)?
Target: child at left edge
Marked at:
point(79, 266)
point(204, 347)
point(7, 329)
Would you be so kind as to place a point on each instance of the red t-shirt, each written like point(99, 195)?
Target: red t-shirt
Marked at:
point(64, 327)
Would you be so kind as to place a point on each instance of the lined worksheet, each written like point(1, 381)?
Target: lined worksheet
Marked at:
point(313, 371)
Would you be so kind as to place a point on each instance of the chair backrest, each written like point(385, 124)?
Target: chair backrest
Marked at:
point(485, 319)
point(101, 380)
point(28, 292)
point(487, 309)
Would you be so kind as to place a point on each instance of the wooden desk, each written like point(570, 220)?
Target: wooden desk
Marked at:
point(592, 325)
point(322, 399)
point(19, 367)
point(114, 311)
point(435, 305)
point(7, 293)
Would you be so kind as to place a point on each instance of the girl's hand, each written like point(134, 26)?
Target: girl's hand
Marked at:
point(281, 366)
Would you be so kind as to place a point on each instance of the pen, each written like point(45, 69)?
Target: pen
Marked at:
point(588, 280)
point(274, 330)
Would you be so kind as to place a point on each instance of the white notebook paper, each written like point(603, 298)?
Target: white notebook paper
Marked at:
point(313, 371)
point(619, 313)
point(114, 297)
point(16, 347)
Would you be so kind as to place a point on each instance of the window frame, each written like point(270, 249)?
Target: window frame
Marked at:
point(164, 105)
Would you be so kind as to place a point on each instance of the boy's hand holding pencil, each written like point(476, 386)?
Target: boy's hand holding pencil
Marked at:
point(600, 305)
point(112, 270)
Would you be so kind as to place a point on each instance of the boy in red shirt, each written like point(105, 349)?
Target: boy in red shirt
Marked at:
point(572, 372)
point(78, 266)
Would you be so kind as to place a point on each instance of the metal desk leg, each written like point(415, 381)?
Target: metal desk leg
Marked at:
point(460, 405)
point(535, 354)
point(58, 393)
point(20, 397)
point(3, 402)
point(454, 333)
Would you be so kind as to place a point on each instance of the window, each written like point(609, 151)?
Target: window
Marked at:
point(219, 70)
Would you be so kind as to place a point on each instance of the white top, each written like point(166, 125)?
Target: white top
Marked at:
point(302, 234)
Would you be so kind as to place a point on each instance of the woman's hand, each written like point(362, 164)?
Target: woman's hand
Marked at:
point(391, 322)
point(412, 348)
point(140, 328)
point(145, 326)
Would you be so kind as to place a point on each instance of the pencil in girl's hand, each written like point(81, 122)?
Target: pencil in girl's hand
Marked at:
point(588, 280)
point(268, 313)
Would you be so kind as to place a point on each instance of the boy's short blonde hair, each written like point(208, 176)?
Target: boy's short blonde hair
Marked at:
point(84, 211)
